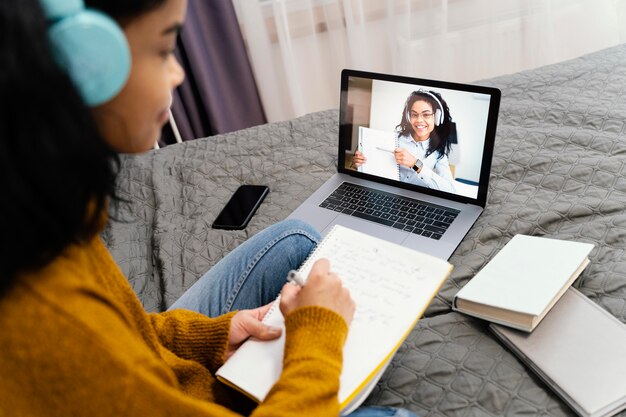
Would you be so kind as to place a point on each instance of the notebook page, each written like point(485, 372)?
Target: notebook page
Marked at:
point(378, 146)
point(391, 285)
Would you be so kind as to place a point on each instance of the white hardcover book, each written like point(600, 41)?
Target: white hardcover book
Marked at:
point(523, 281)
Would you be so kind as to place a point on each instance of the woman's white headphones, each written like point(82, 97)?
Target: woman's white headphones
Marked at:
point(439, 113)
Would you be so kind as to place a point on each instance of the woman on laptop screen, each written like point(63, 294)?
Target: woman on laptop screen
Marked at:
point(423, 142)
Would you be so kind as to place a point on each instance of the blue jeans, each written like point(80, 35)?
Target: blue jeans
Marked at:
point(253, 274)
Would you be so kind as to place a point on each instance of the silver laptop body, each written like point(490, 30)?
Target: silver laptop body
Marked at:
point(380, 112)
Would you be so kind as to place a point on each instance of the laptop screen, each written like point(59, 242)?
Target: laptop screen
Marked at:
point(424, 135)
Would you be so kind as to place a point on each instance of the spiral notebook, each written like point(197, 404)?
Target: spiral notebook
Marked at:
point(378, 145)
point(391, 286)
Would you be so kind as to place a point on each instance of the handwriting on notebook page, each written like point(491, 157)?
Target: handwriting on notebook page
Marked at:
point(391, 286)
point(379, 278)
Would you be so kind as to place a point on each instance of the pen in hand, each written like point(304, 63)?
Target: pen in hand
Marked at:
point(384, 149)
point(295, 278)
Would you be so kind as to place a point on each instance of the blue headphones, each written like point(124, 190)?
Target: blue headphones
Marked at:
point(439, 114)
point(90, 47)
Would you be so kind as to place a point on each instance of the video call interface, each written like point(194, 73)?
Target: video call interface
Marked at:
point(426, 136)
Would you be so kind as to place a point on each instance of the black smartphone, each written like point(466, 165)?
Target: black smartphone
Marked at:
point(239, 210)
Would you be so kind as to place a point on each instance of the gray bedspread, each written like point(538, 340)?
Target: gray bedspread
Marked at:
point(558, 171)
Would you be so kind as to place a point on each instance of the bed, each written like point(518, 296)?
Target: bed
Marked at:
point(559, 170)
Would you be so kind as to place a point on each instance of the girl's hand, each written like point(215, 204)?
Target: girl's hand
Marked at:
point(358, 159)
point(323, 288)
point(246, 323)
point(404, 157)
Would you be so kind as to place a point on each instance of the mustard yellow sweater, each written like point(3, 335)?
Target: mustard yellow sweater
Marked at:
point(75, 341)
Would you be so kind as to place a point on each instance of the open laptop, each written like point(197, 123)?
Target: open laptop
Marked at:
point(446, 130)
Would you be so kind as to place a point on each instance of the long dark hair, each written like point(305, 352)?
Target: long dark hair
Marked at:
point(56, 172)
point(440, 136)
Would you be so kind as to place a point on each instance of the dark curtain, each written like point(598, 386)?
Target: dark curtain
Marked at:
point(219, 93)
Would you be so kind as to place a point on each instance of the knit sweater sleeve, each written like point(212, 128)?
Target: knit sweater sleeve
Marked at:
point(309, 383)
point(194, 336)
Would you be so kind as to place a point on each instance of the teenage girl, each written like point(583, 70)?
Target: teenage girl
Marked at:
point(81, 83)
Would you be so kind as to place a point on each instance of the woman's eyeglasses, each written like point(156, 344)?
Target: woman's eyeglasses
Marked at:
point(425, 115)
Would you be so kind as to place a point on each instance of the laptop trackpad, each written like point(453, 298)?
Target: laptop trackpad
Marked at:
point(384, 232)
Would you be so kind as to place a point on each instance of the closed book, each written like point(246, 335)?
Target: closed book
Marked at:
point(523, 281)
point(578, 351)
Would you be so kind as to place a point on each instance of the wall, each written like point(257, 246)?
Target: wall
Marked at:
point(298, 47)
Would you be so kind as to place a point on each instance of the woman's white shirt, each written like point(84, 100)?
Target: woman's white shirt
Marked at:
point(435, 172)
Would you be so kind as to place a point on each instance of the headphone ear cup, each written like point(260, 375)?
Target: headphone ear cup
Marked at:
point(438, 117)
point(93, 50)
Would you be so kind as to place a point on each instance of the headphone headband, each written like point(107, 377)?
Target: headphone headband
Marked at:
point(56, 9)
point(435, 97)
point(439, 113)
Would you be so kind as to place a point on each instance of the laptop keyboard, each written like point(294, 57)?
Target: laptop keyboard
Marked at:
point(408, 214)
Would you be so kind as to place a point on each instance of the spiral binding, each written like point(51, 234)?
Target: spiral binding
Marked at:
point(272, 309)
point(397, 146)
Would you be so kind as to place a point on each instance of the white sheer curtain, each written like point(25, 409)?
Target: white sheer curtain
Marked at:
point(298, 47)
